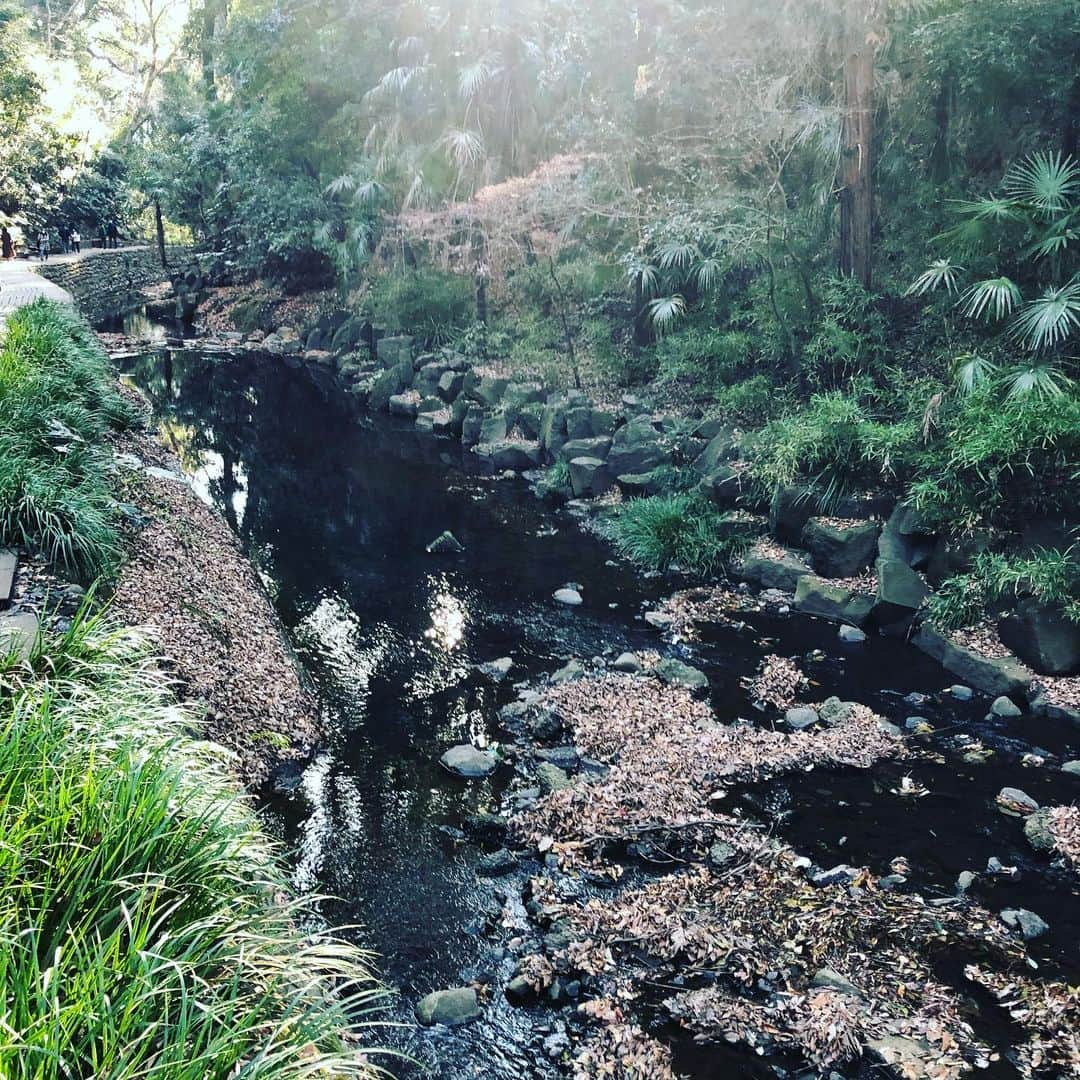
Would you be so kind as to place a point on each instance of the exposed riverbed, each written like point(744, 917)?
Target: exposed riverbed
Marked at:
point(336, 511)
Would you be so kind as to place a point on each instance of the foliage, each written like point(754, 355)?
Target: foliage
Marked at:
point(1052, 577)
point(146, 924)
point(430, 304)
point(57, 400)
point(681, 530)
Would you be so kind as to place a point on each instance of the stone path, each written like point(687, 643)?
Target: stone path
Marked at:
point(20, 282)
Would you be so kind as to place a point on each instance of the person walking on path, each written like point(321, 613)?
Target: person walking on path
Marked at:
point(7, 244)
point(43, 245)
point(76, 241)
point(113, 235)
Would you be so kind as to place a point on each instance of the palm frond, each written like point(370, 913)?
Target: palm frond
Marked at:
point(1045, 180)
point(475, 76)
point(707, 273)
point(1051, 318)
point(993, 299)
point(678, 255)
point(994, 208)
point(340, 185)
point(941, 272)
point(665, 311)
point(1035, 380)
point(646, 277)
point(971, 372)
point(463, 146)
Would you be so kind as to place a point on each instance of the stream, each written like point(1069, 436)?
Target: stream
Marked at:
point(335, 511)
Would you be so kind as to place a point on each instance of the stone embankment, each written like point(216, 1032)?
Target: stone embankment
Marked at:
point(103, 282)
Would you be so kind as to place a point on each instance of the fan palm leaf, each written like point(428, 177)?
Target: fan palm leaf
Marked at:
point(1051, 318)
point(993, 299)
point(941, 272)
point(971, 372)
point(665, 311)
point(707, 273)
point(1035, 380)
point(1044, 180)
point(678, 255)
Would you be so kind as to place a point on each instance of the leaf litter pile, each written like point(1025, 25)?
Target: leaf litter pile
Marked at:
point(187, 579)
point(753, 944)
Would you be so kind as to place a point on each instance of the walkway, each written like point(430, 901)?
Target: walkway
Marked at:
point(20, 283)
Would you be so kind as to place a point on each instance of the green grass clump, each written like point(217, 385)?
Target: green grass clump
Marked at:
point(57, 400)
point(677, 530)
point(1049, 576)
point(147, 928)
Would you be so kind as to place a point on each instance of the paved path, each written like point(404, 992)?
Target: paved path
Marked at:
point(20, 282)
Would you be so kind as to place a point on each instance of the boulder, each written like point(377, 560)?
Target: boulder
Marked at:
point(392, 351)
point(676, 673)
point(468, 762)
point(553, 424)
point(1037, 829)
point(791, 508)
point(486, 390)
point(801, 717)
point(722, 447)
point(589, 477)
point(527, 420)
point(1043, 638)
point(1002, 675)
point(450, 385)
point(568, 596)
point(496, 863)
point(493, 428)
point(638, 485)
point(595, 448)
point(551, 778)
point(627, 662)
point(1005, 708)
point(387, 384)
point(579, 422)
point(815, 596)
point(769, 572)
point(851, 635)
point(636, 448)
point(18, 634)
point(449, 1007)
point(840, 550)
point(723, 485)
point(1026, 922)
point(603, 422)
point(517, 455)
point(406, 404)
point(426, 382)
point(8, 562)
point(900, 593)
point(1013, 802)
point(496, 670)
point(906, 537)
point(472, 420)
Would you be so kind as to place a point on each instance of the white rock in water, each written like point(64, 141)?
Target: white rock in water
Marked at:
point(568, 596)
point(467, 761)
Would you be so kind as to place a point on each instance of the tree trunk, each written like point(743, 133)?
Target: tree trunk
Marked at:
point(159, 225)
point(646, 106)
point(856, 192)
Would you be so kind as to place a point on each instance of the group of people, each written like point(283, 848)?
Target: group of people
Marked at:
point(70, 241)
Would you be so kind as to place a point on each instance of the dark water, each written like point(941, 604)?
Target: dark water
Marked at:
point(336, 511)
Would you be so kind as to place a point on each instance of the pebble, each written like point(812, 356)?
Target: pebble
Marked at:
point(467, 761)
point(659, 620)
point(966, 879)
point(852, 635)
point(1005, 708)
point(568, 596)
point(628, 663)
point(1015, 803)
point(961, 693)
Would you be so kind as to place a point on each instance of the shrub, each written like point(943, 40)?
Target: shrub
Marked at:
point(57, 400)
point(430, 304)
point(753, 401)
point(1052, 577)
point(147, 926)
point(666, 530)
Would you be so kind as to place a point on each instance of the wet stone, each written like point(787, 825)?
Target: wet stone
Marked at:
point(449, 1007)
point(961, 693)
point(627, 662)
point(800, 718)
point(1015, 803)
point(1005, 708)
point(570, 597)
point(446, 543)
point(551, 778)
point(851, 635)
point(468, 762)
point(496, 863)
point(676, 673)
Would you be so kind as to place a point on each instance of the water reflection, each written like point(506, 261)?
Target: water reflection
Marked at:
point(447, 628)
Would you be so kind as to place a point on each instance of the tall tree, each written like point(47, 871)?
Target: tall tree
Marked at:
point(857, 191)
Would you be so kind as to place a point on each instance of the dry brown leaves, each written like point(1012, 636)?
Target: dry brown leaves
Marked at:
point(669, 761)
point(777, 683)
point(187, 579)
point(620, 1049)
point(1065, 827)
point(1048, 1011)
